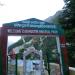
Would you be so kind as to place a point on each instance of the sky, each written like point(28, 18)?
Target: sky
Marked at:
point(16, 10)
point(12, 39)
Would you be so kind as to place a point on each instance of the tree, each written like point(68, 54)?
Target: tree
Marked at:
point(66, 18)
point(68, 23)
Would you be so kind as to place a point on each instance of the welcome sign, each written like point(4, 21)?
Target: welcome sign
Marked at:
point(32, 26)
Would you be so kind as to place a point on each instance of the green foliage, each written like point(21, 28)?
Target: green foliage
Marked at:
point(69, 13)
point(20, 54)
point(67, 20)
point(69, 9)
point(44, 43)
point(71, 51)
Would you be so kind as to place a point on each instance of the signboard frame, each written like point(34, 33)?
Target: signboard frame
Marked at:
point(19, 28)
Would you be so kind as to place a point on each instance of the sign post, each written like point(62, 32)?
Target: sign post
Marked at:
point(33, 27)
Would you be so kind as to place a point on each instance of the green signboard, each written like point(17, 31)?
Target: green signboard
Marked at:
point(33, 26)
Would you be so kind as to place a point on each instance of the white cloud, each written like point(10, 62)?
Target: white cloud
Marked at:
point(22, 9)
point(13, 39)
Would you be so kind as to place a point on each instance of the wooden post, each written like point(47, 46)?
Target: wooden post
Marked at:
point(0, 55)
point(0, 62)
point(3, 46)
point(64, 55)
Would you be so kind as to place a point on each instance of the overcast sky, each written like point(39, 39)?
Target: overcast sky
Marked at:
point(14, 10)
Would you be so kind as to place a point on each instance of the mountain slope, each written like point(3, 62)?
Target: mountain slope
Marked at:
point(54, 18)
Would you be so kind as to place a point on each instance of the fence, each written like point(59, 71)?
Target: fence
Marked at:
point(14, 69)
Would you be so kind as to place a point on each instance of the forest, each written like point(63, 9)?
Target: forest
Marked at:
point(66, 18)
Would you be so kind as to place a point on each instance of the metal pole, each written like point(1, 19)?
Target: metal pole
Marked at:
point(48, 65)
point(16, 65)
point(60, 55)
point(24, 63)
point(7, 65)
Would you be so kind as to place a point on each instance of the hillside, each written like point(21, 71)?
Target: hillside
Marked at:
point(54, 18)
